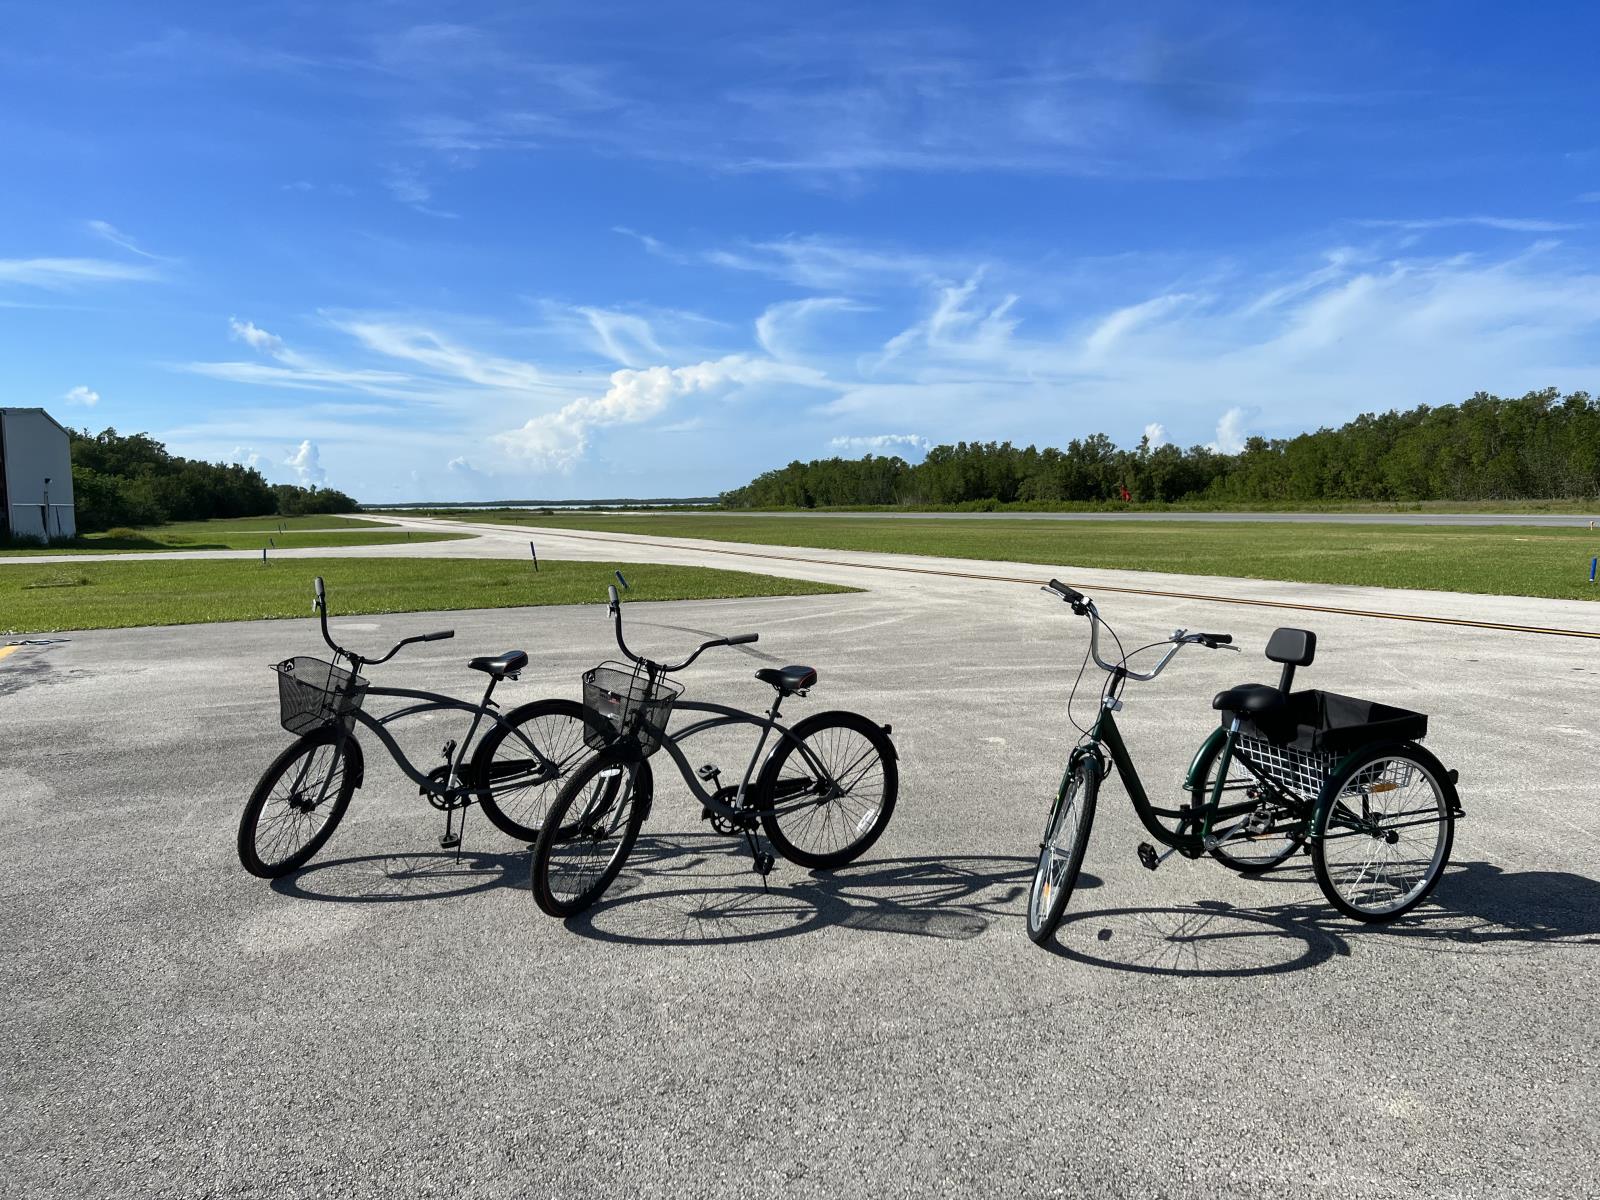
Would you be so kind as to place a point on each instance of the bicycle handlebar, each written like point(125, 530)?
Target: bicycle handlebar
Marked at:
point(615, 606)
point(322, 612)
point(1180, 638)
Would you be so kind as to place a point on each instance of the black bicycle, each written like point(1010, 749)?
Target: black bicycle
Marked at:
point(1341, 777)
point(513, 773)
point(823, 795)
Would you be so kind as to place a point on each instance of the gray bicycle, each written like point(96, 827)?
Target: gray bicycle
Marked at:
point(513, 772)
point(823, 795)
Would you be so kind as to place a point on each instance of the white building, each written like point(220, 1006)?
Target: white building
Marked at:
point(35, 475)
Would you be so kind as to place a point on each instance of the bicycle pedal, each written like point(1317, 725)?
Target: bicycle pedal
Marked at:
point(764, 863)
point(708, 772)
point(1148, 857)
point(449, 841)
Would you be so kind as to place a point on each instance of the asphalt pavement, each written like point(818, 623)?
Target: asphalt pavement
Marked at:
point(395, 1021)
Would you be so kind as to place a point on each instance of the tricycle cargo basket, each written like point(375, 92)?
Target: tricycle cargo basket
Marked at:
point(1326, 722)
point(313, 693)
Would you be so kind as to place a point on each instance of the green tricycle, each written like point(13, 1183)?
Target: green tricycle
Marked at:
point(1342, 778)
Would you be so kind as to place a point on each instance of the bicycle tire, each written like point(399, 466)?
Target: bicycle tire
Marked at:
point(1366, 774)
point(516, 790)
point(1269, 851)
point(292, 836)
point(567, 874)
point(851, 749)
point(1059, 864)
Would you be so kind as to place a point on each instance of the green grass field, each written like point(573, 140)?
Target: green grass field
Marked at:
point(245, 533)
point(49, 597)
point(1496, 560)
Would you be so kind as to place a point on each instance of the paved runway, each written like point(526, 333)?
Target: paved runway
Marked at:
point(393, 1022)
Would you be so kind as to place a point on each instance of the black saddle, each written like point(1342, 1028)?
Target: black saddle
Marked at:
point(1290, 647)
point(788, 680)
point(501, 665)
point(1249, 699)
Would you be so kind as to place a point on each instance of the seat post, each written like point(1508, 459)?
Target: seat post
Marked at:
point(1286, 678)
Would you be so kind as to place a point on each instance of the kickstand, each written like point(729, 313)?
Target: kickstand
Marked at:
point(763, 861)
point(450, 840)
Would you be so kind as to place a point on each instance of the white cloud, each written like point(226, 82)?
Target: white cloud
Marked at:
point(1230, 432)
point(1112, 329)
point(558, 440)
point(881, 443)
point(306, 463)
point(82, 395)
point(781, 328)
point(245, 456)
point(1507, 224)
point(256, 338)
point(406, 185)
point(622, 336)
point(62, 273)
point(1156, 434)
point(108, 231)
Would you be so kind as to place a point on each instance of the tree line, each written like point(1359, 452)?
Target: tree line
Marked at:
point(1540, 446)
point(131, 480)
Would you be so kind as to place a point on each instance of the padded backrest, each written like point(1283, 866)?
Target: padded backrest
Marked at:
point(1293, 647)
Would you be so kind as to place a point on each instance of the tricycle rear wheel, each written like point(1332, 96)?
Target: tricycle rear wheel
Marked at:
point(1382, 834)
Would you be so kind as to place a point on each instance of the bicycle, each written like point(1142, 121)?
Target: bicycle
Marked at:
point(1340, 778)
point(303, 794)
point(823, 795)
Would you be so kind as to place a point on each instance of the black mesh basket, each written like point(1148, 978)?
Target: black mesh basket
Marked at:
point(617, 692)
point(312, 693)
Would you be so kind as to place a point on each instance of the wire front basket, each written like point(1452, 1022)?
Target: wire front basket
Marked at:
point(618, 692)
point(313, 693)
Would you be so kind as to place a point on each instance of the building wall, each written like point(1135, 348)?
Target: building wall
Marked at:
point(37, 449)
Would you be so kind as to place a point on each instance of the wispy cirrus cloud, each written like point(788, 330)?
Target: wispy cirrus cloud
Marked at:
point(1505, 224)
point(109, 232)
point(60, 274)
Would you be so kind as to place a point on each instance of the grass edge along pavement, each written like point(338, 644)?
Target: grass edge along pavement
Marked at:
point(250, 533)
point(1506, 560)
point(56, 597)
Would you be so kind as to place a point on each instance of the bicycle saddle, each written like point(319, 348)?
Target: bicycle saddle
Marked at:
point(788, 680)
point(1249, 699)
point(501, 665)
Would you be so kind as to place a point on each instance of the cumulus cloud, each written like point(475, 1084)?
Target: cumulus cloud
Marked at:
point(882, 443)
point(245, 456)
point(82, 395)
point(557, 440)
point(254, 337)
point(306, 463)
point(1230, 432)
point(1156, 434)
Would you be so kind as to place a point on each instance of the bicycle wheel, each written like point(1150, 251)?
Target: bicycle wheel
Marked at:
point(1066, 837)
point(824, 807)
point(1383, 831)
point(588, 833)
point(520, 765)
point(297, 804)
point(1276, 843)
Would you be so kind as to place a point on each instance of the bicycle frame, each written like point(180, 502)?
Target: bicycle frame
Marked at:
point(722, 715)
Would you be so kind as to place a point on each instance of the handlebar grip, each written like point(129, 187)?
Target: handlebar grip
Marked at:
point(1066, 593)
point(440, 636)
point(322, 592)
point(611, 592)
point(1221, 639)
point(744, 639)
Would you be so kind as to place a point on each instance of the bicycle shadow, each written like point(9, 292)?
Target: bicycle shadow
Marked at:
point(688, 892)
point(1476, 906)
point(396, 878)
point(1208, 939)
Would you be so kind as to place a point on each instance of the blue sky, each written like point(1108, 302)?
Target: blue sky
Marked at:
point(430, 251)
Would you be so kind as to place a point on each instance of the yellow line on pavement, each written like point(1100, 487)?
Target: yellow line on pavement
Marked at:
point(7, 651)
